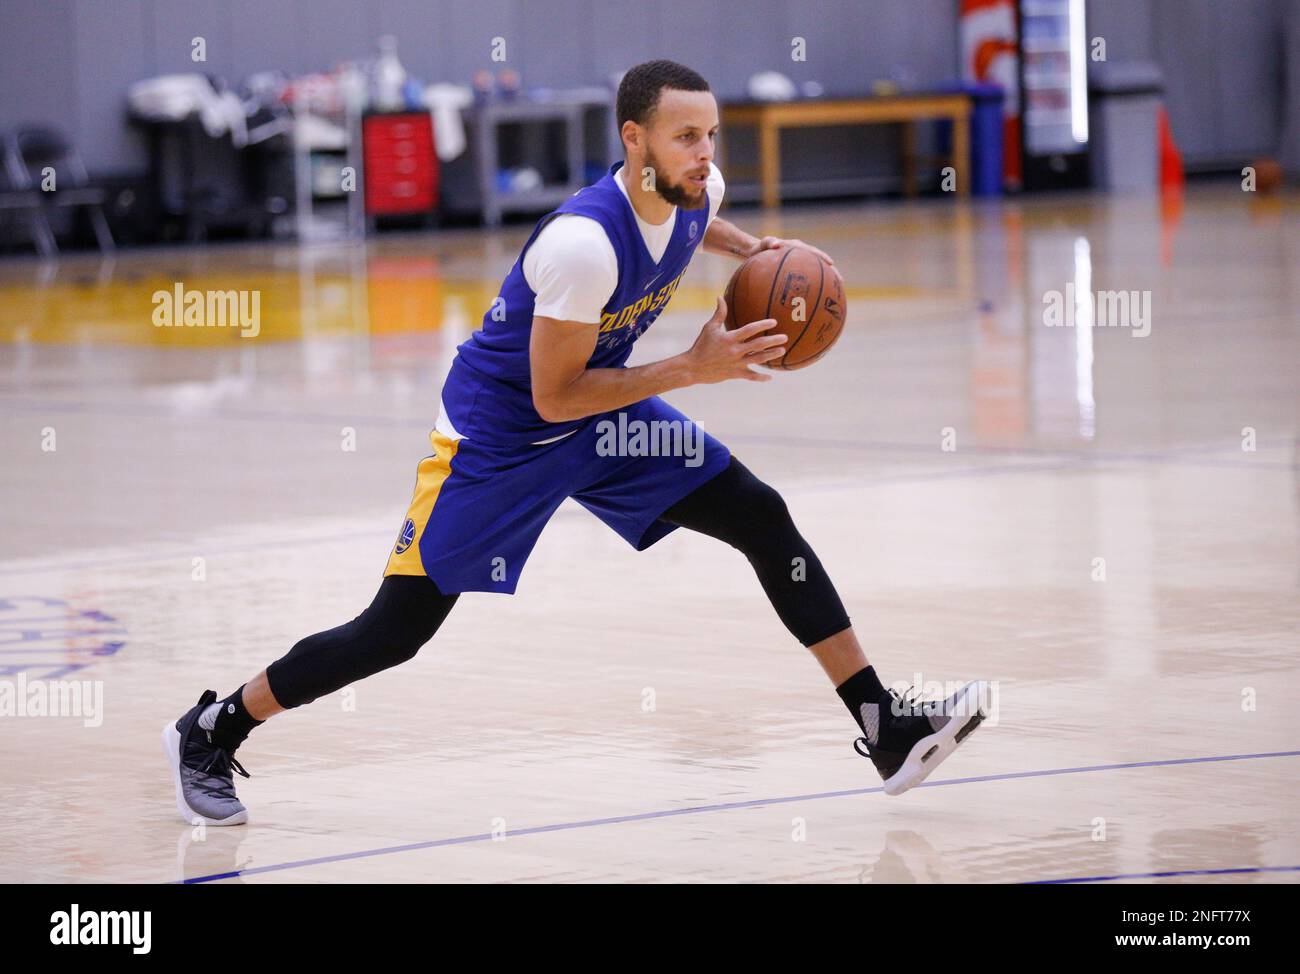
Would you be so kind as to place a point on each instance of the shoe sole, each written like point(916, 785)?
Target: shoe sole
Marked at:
point(930, 751)
point(171, 742)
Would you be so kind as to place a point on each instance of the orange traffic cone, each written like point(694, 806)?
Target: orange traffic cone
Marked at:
point(1171, 188)
point(1171, 160)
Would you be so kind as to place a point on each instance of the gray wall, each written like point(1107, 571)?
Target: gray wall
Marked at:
point(1224, 63)
point(70, 61)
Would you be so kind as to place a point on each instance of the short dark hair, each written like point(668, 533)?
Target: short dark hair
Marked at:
point(638, 92)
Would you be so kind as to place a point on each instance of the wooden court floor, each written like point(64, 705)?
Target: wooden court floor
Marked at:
point(1101, 520)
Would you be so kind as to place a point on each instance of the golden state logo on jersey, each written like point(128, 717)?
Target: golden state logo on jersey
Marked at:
point(406, 537)
point(628, 322)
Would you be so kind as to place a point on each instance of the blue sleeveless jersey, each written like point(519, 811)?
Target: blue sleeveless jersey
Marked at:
point(488, 392)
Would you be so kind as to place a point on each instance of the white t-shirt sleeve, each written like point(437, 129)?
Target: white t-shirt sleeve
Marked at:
point(572, 268)
point(715, 187)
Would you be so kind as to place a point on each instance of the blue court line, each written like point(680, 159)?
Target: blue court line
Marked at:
point(1164, 875)
point(720, 807)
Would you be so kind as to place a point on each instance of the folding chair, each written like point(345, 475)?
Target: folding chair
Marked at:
point(31, 151)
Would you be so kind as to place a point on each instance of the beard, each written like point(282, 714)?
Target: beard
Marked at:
point(674, 194)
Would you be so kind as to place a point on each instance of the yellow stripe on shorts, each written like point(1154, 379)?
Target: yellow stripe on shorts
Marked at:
point(430, 476)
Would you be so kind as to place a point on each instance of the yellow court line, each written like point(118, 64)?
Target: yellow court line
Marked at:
point(291, 308)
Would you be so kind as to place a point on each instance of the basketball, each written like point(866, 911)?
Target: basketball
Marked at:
point(799, 290)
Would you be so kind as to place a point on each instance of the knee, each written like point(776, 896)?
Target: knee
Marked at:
point(759, 514)
point(391, 642)
point(404, 616)
point(767, 503)
point(398, 649)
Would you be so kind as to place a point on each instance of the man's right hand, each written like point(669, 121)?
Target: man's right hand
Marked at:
point(719, 354)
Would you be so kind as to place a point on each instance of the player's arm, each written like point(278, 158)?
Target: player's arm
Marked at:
point(729, 240)
point(565, 389)
point(724, 237)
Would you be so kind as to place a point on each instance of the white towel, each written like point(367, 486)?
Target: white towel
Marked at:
point(172, 97)
point(445, 103)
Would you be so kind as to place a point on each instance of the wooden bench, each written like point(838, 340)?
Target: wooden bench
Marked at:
point(768, 119)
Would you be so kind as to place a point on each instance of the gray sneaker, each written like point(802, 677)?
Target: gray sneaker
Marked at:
point(910, 738)
point(201, 771)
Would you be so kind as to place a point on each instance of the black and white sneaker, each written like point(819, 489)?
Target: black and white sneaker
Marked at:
point(908, 738)
point(202, 771)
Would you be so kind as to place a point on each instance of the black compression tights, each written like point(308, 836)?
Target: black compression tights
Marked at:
point(403, 617)
point(735, 507)
point(738, 508)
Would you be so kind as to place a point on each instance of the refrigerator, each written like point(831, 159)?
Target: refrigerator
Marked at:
point(1053, 51)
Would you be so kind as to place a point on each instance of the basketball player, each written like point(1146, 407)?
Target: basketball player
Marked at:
point(518, 433)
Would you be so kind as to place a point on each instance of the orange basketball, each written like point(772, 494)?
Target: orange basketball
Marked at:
point(799, 290)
